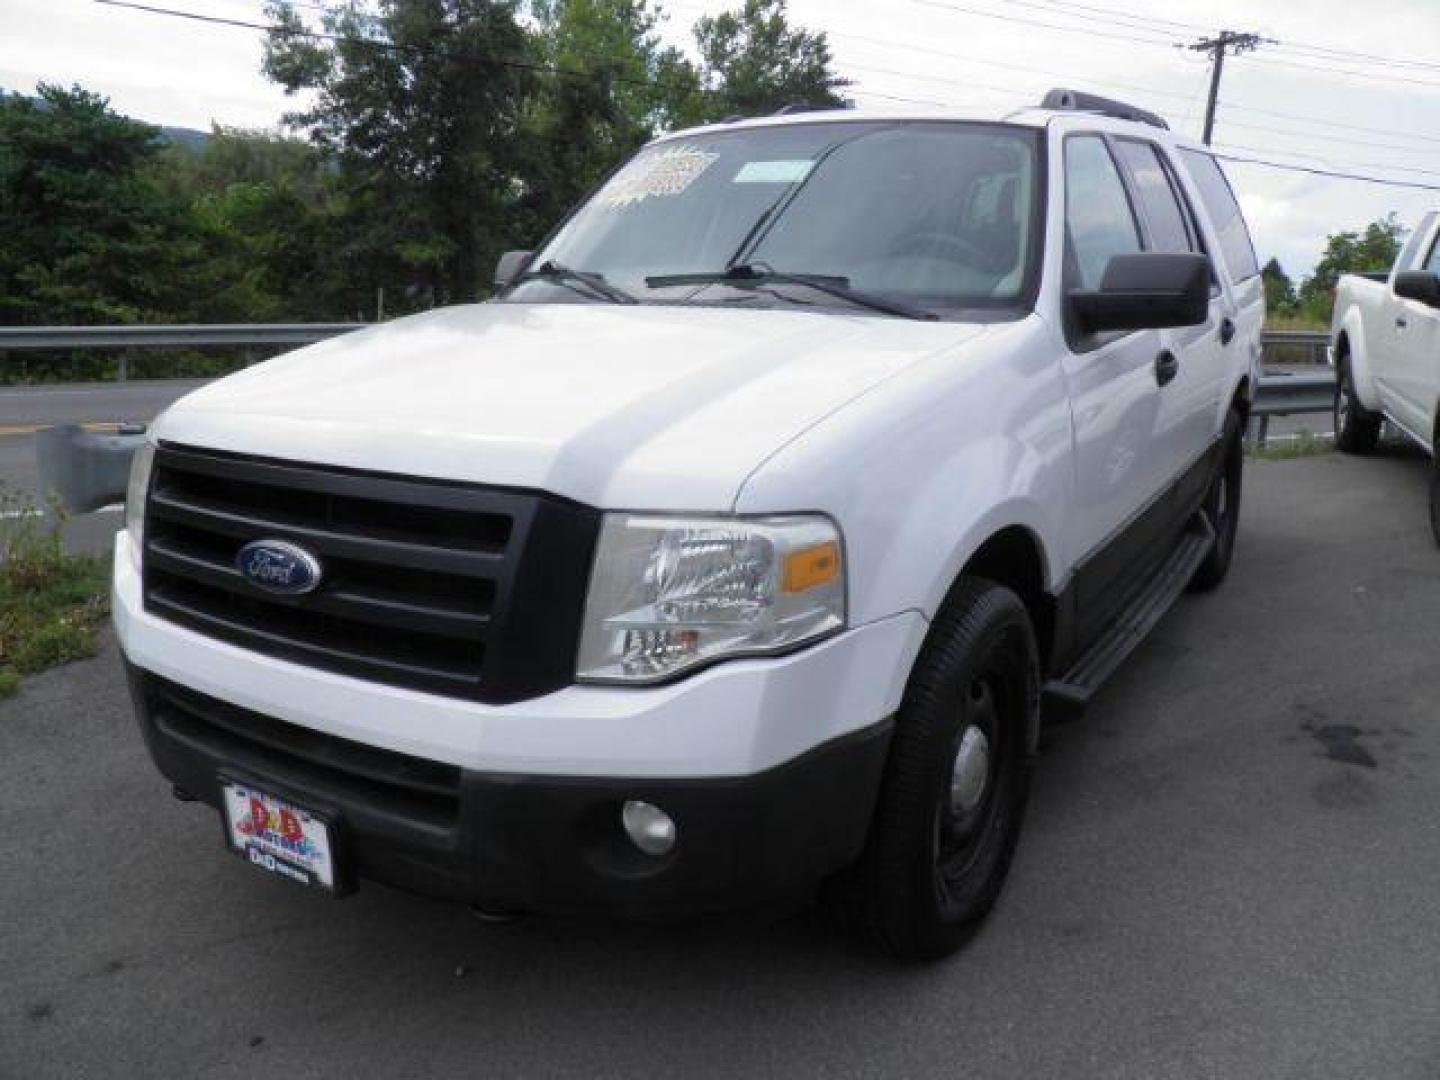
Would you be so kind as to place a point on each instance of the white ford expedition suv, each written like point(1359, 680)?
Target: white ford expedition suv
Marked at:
point(1386, 352)
point(732, 550)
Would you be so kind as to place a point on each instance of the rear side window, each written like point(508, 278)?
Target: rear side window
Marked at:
point(1099, 222)
point(1410, 253)
point(1433, 264)
point(1158, 201)
point(1219, 200)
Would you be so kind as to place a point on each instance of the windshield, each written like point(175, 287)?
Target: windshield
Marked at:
point(935, 214)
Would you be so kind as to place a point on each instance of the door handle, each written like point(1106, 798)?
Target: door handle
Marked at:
point(1401, 322)
point(1166, 367)
point(1227, 331)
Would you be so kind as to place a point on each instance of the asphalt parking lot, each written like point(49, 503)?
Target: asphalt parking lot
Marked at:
point(1230, 870)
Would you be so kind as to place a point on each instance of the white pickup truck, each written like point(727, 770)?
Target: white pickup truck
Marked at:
point(1386, 352)
point(730, 552)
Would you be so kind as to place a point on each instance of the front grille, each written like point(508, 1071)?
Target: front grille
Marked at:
point(453, 588)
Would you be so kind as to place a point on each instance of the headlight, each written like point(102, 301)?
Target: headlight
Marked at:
point(135, 498)
point(669, 593)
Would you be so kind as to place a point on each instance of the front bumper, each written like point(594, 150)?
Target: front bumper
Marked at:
point(528, 843)
point(769, 767)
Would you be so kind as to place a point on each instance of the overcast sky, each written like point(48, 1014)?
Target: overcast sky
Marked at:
point(1375, 110)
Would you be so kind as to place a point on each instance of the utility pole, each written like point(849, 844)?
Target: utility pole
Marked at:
point(1227, 41)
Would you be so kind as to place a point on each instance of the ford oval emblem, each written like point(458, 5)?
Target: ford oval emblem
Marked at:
point(279, 566)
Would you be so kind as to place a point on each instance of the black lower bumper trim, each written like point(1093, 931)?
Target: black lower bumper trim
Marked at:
point(527, 843)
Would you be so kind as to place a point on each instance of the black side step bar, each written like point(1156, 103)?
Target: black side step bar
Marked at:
point(1068, 695)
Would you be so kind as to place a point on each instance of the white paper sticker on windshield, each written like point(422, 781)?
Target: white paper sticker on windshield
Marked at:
point(656, 175)
point(773, 172)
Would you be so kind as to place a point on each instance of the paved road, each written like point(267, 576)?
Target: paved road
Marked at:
point(28, 407)
point(1230, 871)
point(25, 408)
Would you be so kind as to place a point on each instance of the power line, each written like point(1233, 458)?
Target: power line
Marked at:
point(1326, 122)
point(963, 83)
point(1100, 13)
point(390, 46)
point(907, 47)
point(1225, 43)
point(1290, 167)
point(1169, 25)
point(1332, 162)
point(1142, 23)
point(1323, 52)
point(1338, 139)
point(1373, 75)
point(1021, 19)
point(1323, 122)
point(1159, 41)
point(1223, 154)
point(991, 87)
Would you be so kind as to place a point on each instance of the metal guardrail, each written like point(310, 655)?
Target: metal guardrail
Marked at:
point(1292, 392)
point(168, 337)
point(74, 459)
point(228, 335)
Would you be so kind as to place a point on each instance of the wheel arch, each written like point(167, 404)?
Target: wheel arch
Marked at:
point(1014, 556)
point(1352, 355)
point(1243, 398)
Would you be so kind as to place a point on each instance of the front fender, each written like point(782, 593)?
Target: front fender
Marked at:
point(923, 470)
point(991, 486)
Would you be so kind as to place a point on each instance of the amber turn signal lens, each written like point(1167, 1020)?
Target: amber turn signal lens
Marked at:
point(813, 566)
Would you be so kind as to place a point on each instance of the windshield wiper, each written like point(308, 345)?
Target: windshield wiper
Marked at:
point(747, 275)
point(564, 275)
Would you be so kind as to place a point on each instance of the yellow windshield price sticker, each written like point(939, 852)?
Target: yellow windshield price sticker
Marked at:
point(658, 174)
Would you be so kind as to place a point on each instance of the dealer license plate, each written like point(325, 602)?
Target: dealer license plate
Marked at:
point(278, 836)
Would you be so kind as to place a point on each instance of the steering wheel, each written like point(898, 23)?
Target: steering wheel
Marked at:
point(922, 240)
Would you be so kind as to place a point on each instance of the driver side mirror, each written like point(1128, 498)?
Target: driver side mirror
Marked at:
point(510, 266)
point(1418, 285)
point(1146, 291)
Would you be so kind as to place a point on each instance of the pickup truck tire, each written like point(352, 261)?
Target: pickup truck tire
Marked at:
point(1357, 430)
point(956, 780)
point(1222, 506)
point(1435, 496)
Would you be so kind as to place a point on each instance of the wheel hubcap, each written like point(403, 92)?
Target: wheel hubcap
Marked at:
point(971, 774)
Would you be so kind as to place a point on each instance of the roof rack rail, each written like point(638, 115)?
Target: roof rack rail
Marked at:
point(1075, 101)
point(805, 106)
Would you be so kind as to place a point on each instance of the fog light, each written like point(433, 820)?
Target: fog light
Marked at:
point(649, 828)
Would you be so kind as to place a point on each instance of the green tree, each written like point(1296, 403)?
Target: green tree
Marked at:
point(1349, 252)
point(421, 103)
point(754, 62)
point(264, 212)
point(618, 86)
point(1279, 288)
point(86, 236)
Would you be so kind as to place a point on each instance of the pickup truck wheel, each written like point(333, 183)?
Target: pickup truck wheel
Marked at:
point(1357, 430)
point(956, 780)
point(1222, 506)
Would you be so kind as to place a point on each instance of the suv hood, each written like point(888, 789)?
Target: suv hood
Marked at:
point(645, 407)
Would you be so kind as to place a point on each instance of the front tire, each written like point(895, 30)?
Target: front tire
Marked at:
point(1222, 506)
point(956, 780)
point(1357, 430)
point(1435, 497)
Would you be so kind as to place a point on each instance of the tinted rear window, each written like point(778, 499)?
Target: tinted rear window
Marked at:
point(1163, 213)
point(1219, 199)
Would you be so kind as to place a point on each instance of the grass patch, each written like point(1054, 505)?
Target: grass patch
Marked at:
point(51, 601)
point(1300, 445)
point(1295, 322)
